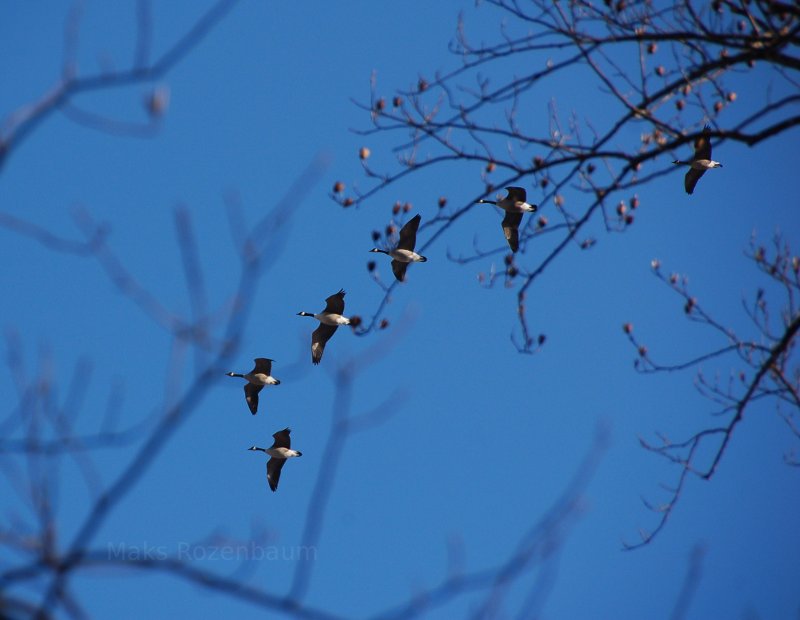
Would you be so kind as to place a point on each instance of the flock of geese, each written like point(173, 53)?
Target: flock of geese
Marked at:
point(330, 318)
point(515, 205)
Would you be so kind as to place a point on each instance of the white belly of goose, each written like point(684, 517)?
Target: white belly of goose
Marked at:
point(332, 319)
point(282, 453)
point(705, 164)
point(513, 206)
point(259, 378)
point(406, 256)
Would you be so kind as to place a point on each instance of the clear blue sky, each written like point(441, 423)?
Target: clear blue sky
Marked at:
point(485, 439)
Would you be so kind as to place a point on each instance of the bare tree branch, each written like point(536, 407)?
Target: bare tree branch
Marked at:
point(768, 364)
point(461, 118)
point(20, 123)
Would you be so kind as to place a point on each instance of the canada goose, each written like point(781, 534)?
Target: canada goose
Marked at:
point(700, 162)
point(280, 450)
point(329, 319)
point(256, 380)
point(515, 203)
point(404, 252)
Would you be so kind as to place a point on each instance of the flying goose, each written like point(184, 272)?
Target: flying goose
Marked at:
point(514, 204)
point(404, 252)
point(329, 319)
point(256, 380)
point(700, 162)
point(280, 450)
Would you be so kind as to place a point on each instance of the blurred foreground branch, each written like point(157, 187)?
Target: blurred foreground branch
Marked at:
point(39, 550)
point(20, 123)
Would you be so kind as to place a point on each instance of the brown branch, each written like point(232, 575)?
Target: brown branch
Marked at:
point(461, 125)
point(683, 453)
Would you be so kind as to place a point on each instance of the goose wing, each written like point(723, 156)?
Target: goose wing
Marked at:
point(408, 234)
point(335, 303)
point(511, 229)
point(517, 194)
point(691, 179)
point(399, 270)
point(282, 439)
point(251, 396)
point(263, 366)
point(319, 337)
point(702, 147)
point(274, 467)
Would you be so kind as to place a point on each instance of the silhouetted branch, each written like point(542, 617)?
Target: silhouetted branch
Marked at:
point(580, 167)
point(767, 365)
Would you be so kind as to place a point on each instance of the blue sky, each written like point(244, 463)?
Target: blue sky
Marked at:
point(482, 440)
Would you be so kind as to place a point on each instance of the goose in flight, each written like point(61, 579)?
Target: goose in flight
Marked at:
point(700, 162)
point(404, 253)
point(329, 320)
point(256, 380)
point(279, 451)
point(515, 203)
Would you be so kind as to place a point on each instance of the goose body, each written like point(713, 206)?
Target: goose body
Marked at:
point(516, 201)
point(700, 162)
point(256, 380)
point(329, 320)
point(404, 253)
point(279, 451)
point(515, 204)
point(401, 255)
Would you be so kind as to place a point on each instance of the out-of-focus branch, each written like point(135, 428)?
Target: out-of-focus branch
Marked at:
point(232, 587)
point(690, 584)
point(537, 550)
point(55, 564)
point(343, 426)
point(537, 546)
point(19, 124)
point(51, 240)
